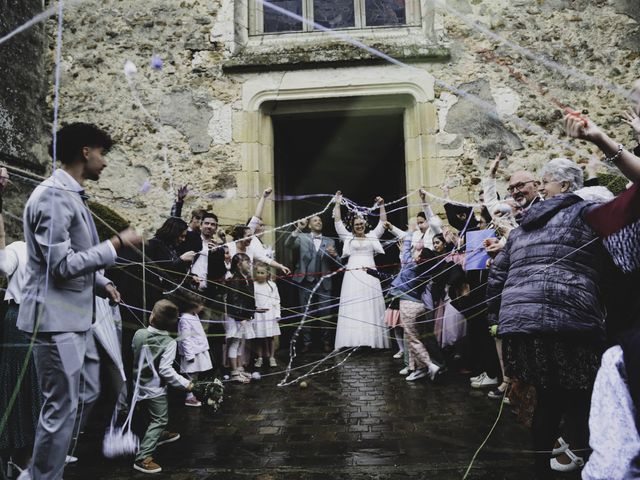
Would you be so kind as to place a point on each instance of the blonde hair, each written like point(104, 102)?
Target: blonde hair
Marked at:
point(164, 315)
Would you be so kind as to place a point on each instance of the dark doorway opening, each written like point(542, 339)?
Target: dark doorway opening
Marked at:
point(357, 151)
point(360, 154)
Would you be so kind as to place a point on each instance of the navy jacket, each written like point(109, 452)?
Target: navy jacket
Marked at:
point(548, 278)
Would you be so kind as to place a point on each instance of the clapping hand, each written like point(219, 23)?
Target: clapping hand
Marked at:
point(267, 192)
point(338, 197)
point(423, 194)
point(379, 201)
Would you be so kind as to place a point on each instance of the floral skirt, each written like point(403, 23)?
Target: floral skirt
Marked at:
point(569, 363)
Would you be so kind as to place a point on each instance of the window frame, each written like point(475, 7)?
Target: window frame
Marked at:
point(256, 19)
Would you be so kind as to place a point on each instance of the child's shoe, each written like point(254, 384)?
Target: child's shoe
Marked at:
point(272, 362)
point(192, 401)
point(168, 437)
point(147, 466)
point(237, 376)
point(258, 362)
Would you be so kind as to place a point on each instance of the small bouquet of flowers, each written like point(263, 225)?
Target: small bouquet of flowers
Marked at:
point(210, 393)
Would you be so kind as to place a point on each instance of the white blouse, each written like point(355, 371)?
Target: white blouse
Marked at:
point(13, 265)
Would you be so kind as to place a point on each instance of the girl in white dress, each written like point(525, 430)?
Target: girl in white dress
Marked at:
point(265, 321)
point(192, 343)
point(361, 313)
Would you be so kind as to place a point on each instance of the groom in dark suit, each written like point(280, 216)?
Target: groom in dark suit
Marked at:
point(316, 257)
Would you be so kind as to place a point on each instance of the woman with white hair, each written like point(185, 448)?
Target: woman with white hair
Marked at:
point(545, 290)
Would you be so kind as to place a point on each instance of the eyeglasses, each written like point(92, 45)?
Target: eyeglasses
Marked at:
point(518, 186)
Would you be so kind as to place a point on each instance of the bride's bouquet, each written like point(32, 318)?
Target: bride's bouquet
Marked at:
point(210, 393)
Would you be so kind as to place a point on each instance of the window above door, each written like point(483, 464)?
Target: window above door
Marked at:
point(333, 14)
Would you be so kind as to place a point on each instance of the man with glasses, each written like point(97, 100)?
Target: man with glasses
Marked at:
point(523, 187)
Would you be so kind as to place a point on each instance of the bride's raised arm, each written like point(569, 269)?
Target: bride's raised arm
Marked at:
point(341, 230)
point(378, 231)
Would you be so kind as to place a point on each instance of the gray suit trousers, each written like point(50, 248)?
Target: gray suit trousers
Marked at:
point(320, 307)
point(68, 367)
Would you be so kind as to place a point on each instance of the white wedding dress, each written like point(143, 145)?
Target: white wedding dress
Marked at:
point(361, 313)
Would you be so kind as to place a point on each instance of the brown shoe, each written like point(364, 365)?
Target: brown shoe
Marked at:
point(168, 437)
point(147, 466)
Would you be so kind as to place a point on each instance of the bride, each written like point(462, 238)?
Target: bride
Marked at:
point(361, 313)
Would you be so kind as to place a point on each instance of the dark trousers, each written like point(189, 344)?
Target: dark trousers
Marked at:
point(482, 347)
point(320, 307)
point(553, 405)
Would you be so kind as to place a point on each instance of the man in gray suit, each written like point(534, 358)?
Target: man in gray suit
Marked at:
point(316, 257)
point(57, 310)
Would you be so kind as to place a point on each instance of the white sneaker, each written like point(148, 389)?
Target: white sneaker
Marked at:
point(273, 362)
point(477, 378)
point(485, 381)
point(576, 463)
point(70, 459)
point(258, 362)
point(417, 374)
point(399, 355)
point(405, 371)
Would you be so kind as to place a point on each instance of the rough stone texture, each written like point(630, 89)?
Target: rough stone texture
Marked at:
point(23, 111)
point(490, 134)
point(197, 97)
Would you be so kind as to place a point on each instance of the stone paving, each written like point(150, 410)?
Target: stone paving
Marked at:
point(359, 421)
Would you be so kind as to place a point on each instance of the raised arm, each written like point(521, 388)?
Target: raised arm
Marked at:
point(435, 224)
point(337, 201)
point(580, 127)
point(378, 231)
point(253, 223)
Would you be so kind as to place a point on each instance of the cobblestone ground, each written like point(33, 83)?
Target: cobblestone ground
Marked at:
point(359, 421)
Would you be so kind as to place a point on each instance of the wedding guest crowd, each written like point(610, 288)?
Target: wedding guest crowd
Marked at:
point(514, 293)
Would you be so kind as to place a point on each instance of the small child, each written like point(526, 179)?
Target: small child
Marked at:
point(265, 321)
point(193, 345)
point(241, 306)
point(154, 378)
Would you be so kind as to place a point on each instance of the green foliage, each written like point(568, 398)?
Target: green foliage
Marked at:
point(615, 183)
point(103, 214)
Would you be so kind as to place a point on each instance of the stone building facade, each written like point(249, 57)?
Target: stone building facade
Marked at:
point(236, 76)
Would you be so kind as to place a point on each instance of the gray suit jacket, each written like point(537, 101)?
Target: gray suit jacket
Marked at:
point(62, 259)
point(305, 268)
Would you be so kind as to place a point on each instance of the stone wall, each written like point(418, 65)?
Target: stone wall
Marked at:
point(192, 127)
point(23, 108)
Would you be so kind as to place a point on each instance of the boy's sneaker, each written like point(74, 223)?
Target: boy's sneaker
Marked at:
point(272, 362)
point(405, 371)
point(147, 466)
point(192, 402)
point(167, 437)
point(258, 362)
